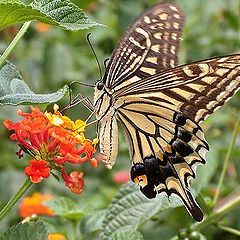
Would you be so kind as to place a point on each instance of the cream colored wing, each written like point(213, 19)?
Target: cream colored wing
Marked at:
point(165, 148)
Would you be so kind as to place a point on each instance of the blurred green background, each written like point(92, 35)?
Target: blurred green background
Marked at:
point(52, 58)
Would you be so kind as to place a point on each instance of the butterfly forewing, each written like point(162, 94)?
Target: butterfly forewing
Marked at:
point(196, 89)
point(148, 47)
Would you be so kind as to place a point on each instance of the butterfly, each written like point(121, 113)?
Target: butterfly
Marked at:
point(160, 106)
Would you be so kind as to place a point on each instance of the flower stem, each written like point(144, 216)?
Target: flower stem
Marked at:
point(16, 39)
point(228, 155)
point(219, 213)
point(230, 230)
point(15, 198)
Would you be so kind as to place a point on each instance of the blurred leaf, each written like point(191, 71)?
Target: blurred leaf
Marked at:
point(128, 233)
point(63, 14)
point(131, 207)
point(31, 231)
point(66, 207)
point(93, 222)
point(14, 91)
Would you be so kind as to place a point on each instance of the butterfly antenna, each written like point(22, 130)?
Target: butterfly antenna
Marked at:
point(94, 53)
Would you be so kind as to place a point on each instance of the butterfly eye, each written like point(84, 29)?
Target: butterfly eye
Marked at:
point(100, 85)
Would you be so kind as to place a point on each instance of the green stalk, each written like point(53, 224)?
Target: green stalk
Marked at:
point(219, 213)
point(230, 230)
point(15, 198)
point(16, 39)
point(229, 152)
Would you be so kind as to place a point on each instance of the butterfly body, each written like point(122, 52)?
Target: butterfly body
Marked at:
point(159, 106)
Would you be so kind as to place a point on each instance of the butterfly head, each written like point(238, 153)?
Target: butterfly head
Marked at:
point(100, 85)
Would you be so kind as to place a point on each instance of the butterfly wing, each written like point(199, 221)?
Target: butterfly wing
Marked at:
point(196, 89)
point(160, 117)
point(148, 47)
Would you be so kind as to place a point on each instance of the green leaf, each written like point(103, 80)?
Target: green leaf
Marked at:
point(131, 207)
point(66, 207)
point(14, 91)
point(128, 233)
point(93, 222)
point(62, 13)
point(26, 231)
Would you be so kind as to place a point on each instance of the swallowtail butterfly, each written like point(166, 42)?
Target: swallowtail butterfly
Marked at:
point(159, 106)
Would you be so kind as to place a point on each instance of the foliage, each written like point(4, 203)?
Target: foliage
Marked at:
point(50, 58)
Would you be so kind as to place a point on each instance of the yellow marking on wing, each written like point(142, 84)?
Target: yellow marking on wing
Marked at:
point(173, 183)
point(173, 8)
point(182, 169)
point(176, 15)
point(221, 71)
point(136, 43)
point(156, 48)
point(174, 36)
point(146, 148)
point(212, 104)
point(182, 93)
point(176, 25)
point(158, 35)
point(222, 95)
point(140, 121)
point(173, 49)
point(208, 80)
point(163, 16)
point(189, 72)
point(233, 84)
point(204, 68)
point(147, 20)
point(166, 36)
point(152, 60)
point(172, 63)
point(148, 70)
point(200, 113)
point(196, 86)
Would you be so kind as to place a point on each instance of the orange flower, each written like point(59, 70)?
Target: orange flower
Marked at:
point(34, 205)
point(42, 27)
point(52, 140)
point(74, 182)
point(37, 171)
point(56, 236)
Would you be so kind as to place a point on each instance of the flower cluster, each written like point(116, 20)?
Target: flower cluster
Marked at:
point(52, 139)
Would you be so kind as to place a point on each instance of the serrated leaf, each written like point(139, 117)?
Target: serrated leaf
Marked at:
point(62, 13)
point(66, 207)
point(26, 231)
point(92, 223)
point(131, 207)
point(14, 91)
point(128, 233)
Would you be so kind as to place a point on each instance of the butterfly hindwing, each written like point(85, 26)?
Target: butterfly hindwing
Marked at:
point(165, 145)
point(148, 47)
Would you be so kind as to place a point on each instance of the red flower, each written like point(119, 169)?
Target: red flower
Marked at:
point(74, 182)
point(52, 139)
point(37, 171)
